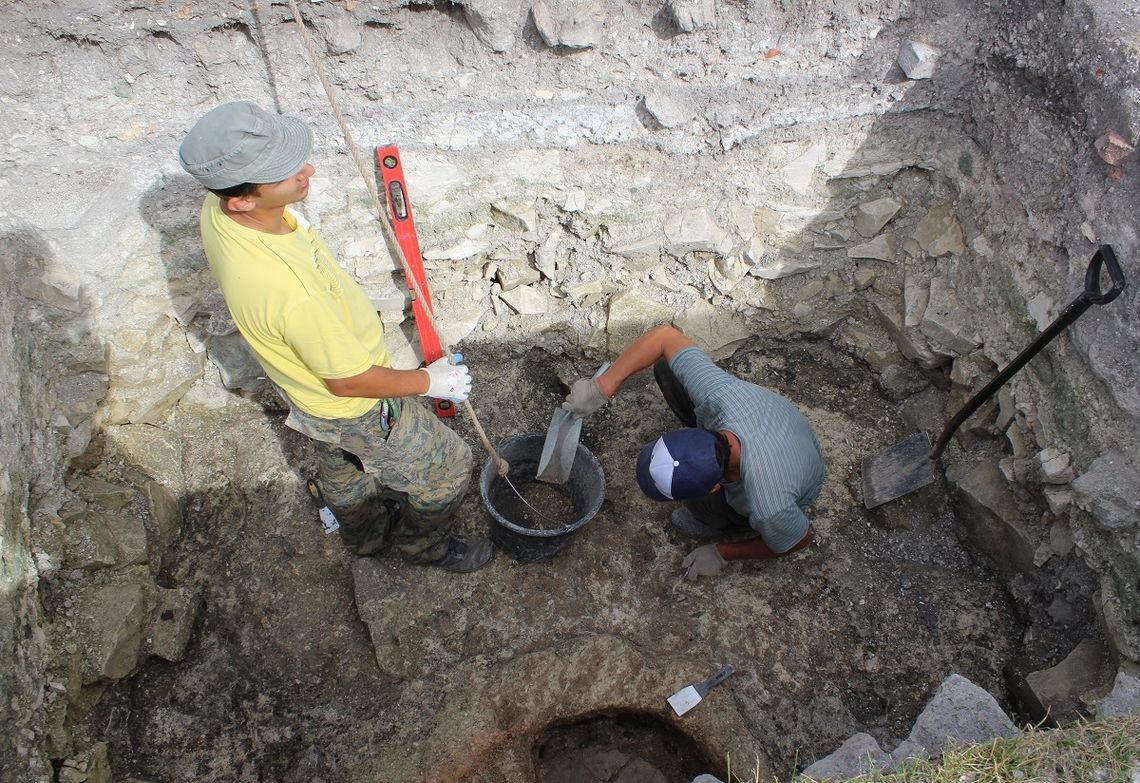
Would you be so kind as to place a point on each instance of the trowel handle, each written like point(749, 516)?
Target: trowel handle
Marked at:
point(716, 678)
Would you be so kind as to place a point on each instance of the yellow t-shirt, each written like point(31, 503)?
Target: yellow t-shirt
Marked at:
point(302, 315)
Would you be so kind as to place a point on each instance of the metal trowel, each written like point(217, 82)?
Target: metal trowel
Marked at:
point(561, 444)
point(688, 697)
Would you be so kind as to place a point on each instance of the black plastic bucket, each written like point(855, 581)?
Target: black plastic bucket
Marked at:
point(585, 490)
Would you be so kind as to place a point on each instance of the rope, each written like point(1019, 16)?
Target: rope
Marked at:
point(385, 221)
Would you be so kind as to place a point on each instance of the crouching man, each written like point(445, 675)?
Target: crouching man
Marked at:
point(745, 461)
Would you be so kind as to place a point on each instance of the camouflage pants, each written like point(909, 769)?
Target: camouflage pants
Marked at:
point(397, 488)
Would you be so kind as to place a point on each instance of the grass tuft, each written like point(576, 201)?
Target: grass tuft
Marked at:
point(1102, 751)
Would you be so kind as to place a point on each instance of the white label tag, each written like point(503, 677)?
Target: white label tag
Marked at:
point(329, 521)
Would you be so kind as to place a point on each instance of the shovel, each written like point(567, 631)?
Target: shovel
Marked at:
point(690, 696)
point(909, 464)
point(561, 444)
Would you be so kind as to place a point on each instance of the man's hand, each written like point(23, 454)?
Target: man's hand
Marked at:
point(702, 561)
point(449, 381)
point(585, 397)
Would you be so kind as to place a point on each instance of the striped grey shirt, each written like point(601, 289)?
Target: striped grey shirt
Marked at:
point(781, 463)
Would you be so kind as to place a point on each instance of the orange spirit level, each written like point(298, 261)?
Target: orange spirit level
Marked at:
point(404, 226)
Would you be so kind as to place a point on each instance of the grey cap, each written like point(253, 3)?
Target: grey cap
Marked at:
point(240, 142)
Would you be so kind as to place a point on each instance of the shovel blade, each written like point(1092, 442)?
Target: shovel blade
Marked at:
point(684, 700)
point(898, 470)
point(560, 447)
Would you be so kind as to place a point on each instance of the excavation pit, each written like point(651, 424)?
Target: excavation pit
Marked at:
point(535, 521)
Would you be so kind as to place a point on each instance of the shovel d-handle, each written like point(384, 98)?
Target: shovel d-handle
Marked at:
point(1103, 259)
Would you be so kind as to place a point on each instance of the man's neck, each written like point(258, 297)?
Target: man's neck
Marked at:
point(732, 470)
point(266, 220)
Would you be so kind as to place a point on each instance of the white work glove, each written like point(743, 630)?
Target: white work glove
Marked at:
point(450, 380)
point(703, 561)
point(584, 398)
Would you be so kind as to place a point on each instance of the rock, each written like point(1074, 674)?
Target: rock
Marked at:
point(916, 296)
point(871, 216)
point(519, 218)
point(165, 517)
point(1056, 691)
point(864, 277)
point(511, 275)
point(960, 712)
point(235, 361)
point(1057, 499)
point(494, 21)
point(1124, 698)
point(150, 370)
point(910, 342)
point(785, 264)
point(939, 234)
point(859, 755)
point(342, 34)
point(573, 25)
point(666, 111)
point(109, 630)
point(900, 381)
point(629, 316)
point(89, 766)
point(690, 15)
point(918, 60)
point(526, 300)
point(467, 247)
point(715, 330)
point(882, 247)
point(990, 514)
point(798, 173)
point(905, 752)
point(171, 622)
point(695, 230)
point(546, 255)
point(1112, 147)
point(945, 322)
point(1053, 466)
point(1110, 491)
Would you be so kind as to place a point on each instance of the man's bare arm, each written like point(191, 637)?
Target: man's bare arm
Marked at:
point(660, 341)
point(377, 382)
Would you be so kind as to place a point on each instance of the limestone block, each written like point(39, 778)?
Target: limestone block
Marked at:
point(966, 370)
point(546, 255)
point(993, 521)
point(712, 328)
point(109, 629)
point(690, 15)
point(945, 322)
point(1112, 147)
point(1109, 490)
point(916, 297)
point(665, 110)
point(88, 541)
point(342, 34)
point(939, 234)
point(871, 216)
point(568, 23)
point(165, 516)
point(695, 230)
point(629, 315)
point(859, 755)
point(910, 341)
point(1056, 691)
point(155, 451)
point(171, 621)
point(725, 272)
point(150, 369)
point(882, 247)
point(512, 274)
point(784, 264)
point(864, 277)
point(235, 361)
point(526, 300)
point(1053, 466)
point(521, 218)
point(494, 21)
point(1124, 698)
point(798, 173)
point(918, 60)
point(1057, 499)
point(960, 712)
point(464, 249)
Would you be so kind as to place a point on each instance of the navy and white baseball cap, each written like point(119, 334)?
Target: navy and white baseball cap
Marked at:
point(680, 465)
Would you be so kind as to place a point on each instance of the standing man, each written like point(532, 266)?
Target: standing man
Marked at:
point(747, 459)
point(389, 470)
